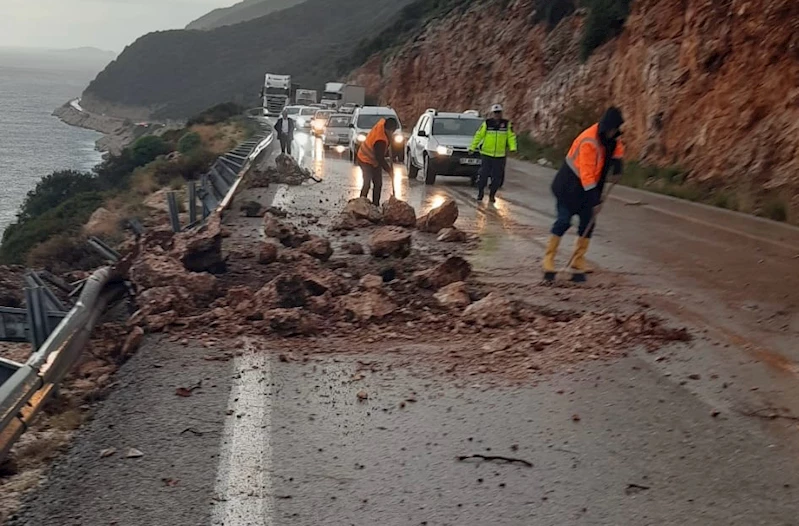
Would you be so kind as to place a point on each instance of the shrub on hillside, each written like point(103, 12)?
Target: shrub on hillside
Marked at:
point(552, 12)
point(63, 254)
point(147, 149)
point(605, 21)
point(217, 114)
point(65, 219)
point(189, 143)
point(53, 190)
point(188, 167)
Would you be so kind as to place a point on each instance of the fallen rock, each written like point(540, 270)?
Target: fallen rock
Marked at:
point(288, 235)
point(317, 247)
point(452, 235)
point(362, 208)
point(291, 322)
point(348, 221)
point(491, 311)
point(398, 213)
point(364, 306)
point(453, 269)
point(251, 209)
point(133, 341)
point(353, 248)
point(439, 218)
point(160, 270)
point(276, 211)
point(102, 222)
point(453, 295)
point(268, 253)
point(390, 241)
point(201, 250)
point(371, 282)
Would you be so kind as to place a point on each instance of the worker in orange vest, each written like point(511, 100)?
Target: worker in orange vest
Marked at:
point(578, 188)
point(372, 154)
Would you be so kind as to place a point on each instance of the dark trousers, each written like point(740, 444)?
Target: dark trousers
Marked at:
point(564, 220)
point(372, 177)
point(285, 144)
point(493, 168)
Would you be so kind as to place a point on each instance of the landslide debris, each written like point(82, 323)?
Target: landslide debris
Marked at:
point(285, 171)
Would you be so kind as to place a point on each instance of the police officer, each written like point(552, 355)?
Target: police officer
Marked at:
point(578, 188)
point(494, 138)
point(372, 154)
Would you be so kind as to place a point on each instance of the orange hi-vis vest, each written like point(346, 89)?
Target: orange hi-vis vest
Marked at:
point(586, 157)
point(366, 151)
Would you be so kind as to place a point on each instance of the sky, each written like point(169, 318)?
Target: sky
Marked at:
point(105, 24)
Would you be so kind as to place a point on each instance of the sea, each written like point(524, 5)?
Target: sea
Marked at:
point(33, 143)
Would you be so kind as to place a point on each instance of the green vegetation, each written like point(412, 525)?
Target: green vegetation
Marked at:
point(605, 21)
point(183, 72)
point(217, 114)
point(48, 226)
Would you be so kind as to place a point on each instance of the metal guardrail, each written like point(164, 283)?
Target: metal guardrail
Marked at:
point(24, 388)
point(23, 394)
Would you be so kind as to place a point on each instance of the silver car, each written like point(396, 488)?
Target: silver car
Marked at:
point(337, 131)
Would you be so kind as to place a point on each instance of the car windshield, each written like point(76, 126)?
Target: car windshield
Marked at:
point(293, 111)
point(368, 121)
point(324, 115)
point(445, 126)
point(339, 122)
point(307, 111)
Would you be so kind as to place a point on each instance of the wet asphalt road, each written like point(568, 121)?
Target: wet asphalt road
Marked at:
point(628, 442)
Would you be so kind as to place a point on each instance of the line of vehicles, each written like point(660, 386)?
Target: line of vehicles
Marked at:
point(438, 144)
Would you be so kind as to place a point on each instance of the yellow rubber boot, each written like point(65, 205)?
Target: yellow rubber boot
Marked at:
point(549, 257)
point(579, 266)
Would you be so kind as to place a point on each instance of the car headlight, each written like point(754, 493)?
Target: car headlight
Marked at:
point(301, 121)
point(443, 150)
point(398, 138)
point(361, 137)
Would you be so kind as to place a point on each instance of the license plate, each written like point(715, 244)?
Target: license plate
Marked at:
point(470, 161)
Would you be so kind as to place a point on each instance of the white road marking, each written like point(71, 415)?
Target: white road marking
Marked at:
point(244, 485)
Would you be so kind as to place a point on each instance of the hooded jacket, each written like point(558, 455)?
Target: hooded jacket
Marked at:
point(581, 180)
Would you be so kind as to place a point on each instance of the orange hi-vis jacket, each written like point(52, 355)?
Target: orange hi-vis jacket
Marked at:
point(586, 157)
point(366, 151)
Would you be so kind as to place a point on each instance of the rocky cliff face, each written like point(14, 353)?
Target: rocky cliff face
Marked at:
point(710, 85)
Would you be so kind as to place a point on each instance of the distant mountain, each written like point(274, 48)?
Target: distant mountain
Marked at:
point(241, 12)
point(174, 74)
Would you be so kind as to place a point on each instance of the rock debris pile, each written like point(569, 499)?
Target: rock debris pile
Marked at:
point(285, 171)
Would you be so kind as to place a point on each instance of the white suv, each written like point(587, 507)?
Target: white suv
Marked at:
point(364, 119)
point(439, 145)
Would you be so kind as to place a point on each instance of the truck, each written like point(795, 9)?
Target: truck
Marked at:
point(276, 93)
point(337, 94)
point(305, 97)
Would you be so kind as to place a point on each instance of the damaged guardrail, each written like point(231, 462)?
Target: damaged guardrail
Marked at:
point(23, 394)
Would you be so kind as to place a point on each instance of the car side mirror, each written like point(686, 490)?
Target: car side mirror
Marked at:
point(351, 125)
point(422, 133)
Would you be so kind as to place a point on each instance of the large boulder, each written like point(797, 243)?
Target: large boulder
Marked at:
point(291, 322)
point(317, 247)
point(491, 311)
point(454, 295)
point(288, 235)
point(368, 305)
point(398, 213)
point(201, 250)
point(439, 218)
point(160, 270)
point(390, 241)
point(251, 209)
point(362, 208)
point(268, 253)
point(102, 222)
point(348, 221)
point(453, 269)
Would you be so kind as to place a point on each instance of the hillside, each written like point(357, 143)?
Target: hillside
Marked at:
point(241, 12)
point(706, 86)
point(173, 74)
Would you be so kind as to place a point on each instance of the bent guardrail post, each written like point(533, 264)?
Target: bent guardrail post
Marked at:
point(24, 393)
point(192, 202)
point(174, 213)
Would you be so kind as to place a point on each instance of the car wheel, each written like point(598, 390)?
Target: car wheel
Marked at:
point(413, 171)
point(401, 156)
point(429, 172)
